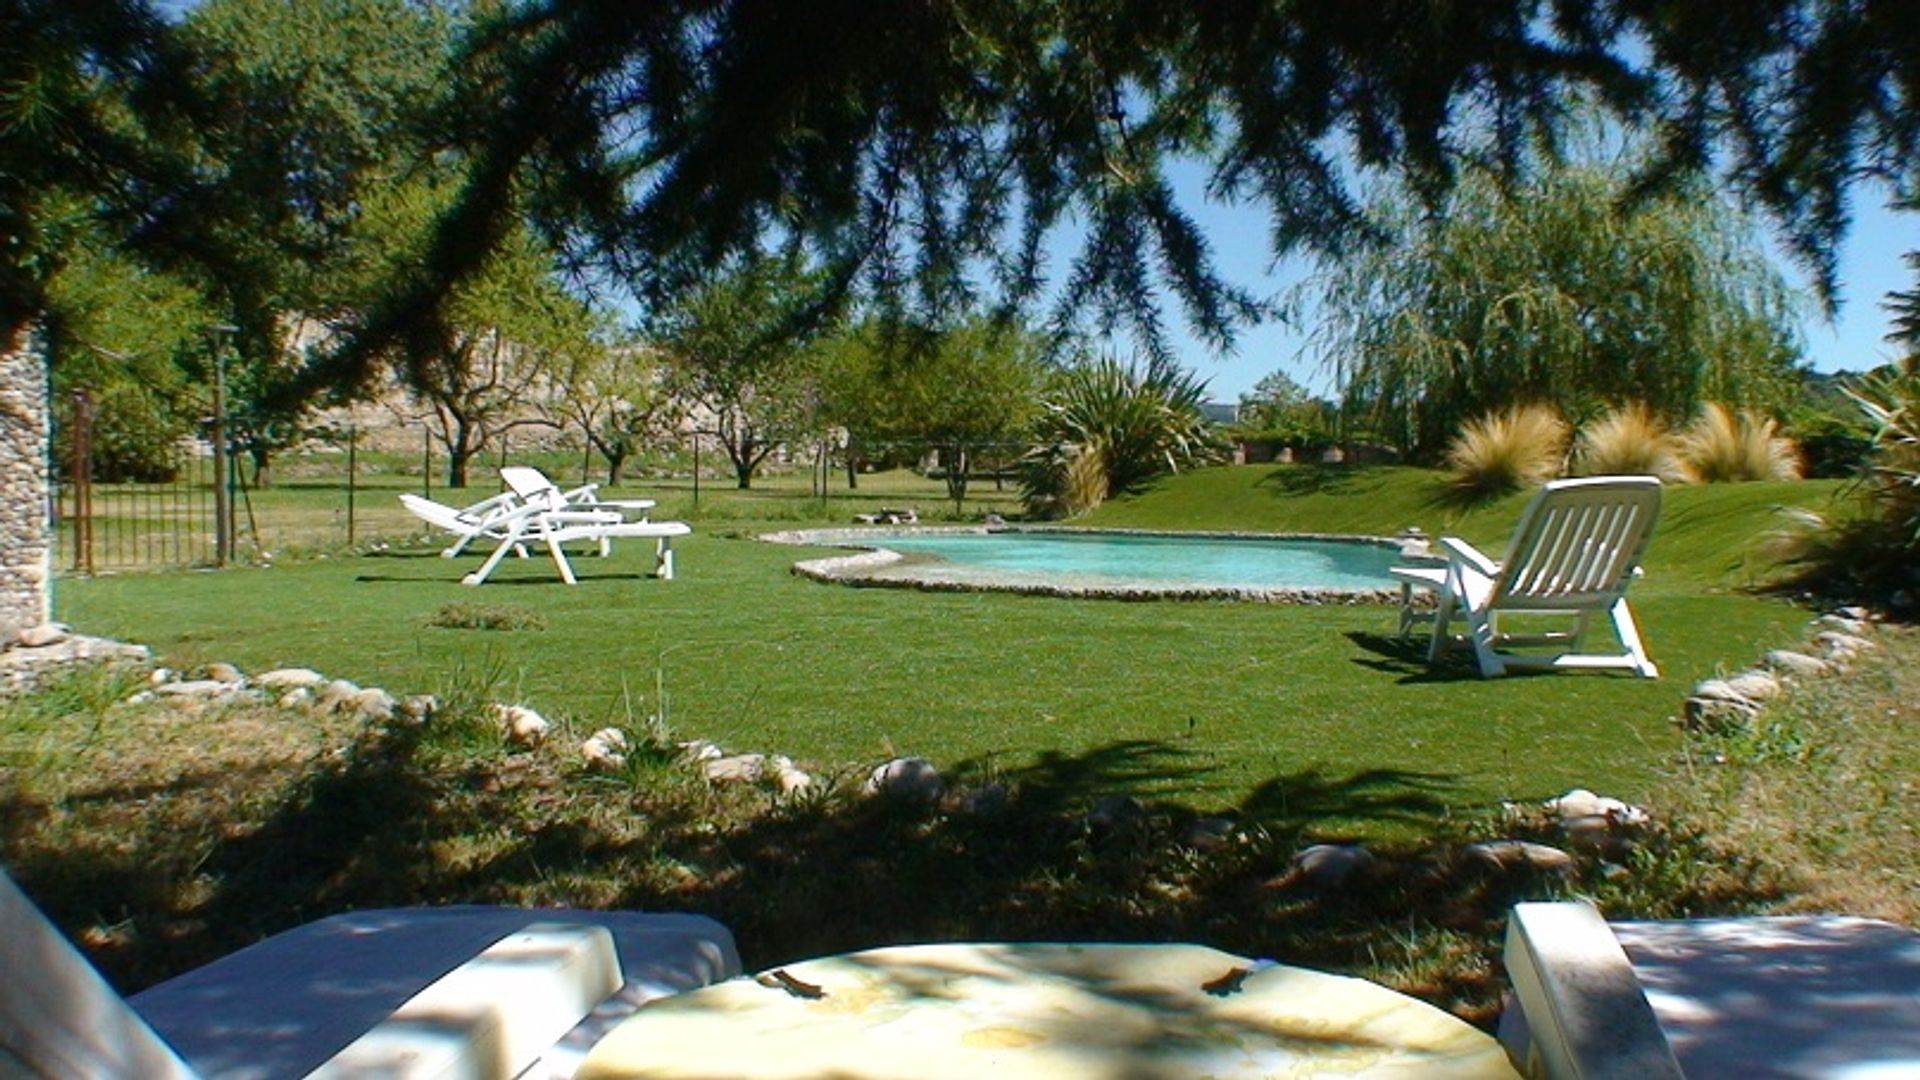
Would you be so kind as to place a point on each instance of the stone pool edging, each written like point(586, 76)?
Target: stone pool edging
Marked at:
point(859, 569)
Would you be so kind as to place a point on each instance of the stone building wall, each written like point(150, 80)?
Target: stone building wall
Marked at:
point(26, 597)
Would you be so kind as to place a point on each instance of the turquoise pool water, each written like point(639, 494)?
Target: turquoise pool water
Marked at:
point(1182, 561)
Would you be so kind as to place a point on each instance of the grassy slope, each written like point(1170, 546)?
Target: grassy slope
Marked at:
point(1220, 705)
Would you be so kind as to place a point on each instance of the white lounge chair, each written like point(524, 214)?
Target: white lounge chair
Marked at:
point(414, 992)
point(534, 524)
point(1577, 547)
point(531, 486)
point(468, 523)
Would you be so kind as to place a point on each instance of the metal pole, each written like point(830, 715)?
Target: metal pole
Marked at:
point(83, 481)
point(426, 462)
point(353, 441)
point(696, 468)
point(222, 501)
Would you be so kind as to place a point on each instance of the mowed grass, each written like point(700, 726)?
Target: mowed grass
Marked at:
point(1212, 705)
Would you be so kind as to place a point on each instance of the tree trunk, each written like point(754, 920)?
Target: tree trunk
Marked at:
point(262, 456)
point(616, 464)
point(956, 463)
point(743, 475)
point(457, 458)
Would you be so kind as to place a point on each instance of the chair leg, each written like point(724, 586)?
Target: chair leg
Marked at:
point(560, 562)
point(511, 542)
point(663, 558)
point(1442, 624)
point(1481, 631)
point(1629, 633)
point(1408, 618)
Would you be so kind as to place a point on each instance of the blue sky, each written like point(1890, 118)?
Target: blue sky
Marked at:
point(1870, 266)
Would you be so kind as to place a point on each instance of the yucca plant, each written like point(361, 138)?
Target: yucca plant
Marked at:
point(1874, 545)
point(1722, 447)
point(1505, 451)
point(1891, 399)
point(1631, 440)
point(1110, 426)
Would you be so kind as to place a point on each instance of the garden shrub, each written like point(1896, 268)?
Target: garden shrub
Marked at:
point(1722, 447)
point(1505, 451)
point(1629, 441)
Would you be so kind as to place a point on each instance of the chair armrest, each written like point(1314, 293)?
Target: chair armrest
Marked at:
point(583, 493)
point(1460, 551)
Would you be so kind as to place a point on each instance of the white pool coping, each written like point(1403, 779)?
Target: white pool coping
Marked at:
point(877, 566)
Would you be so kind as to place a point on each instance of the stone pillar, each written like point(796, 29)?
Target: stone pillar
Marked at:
point(26, 553)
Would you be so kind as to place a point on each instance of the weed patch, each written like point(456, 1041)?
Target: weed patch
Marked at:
point(461, 616)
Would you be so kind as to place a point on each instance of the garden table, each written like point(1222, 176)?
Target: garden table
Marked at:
point(1015, 1010)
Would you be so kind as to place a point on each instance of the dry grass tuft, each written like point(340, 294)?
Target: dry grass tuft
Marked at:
point(1721, 447)
point(1505, 451)
point(1630, 441)
point(1821, 788)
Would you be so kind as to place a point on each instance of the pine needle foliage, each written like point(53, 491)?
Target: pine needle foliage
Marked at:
point(1630, 440)
point(1720, 446)
point(1505, 451)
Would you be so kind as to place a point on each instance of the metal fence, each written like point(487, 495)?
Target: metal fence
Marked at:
point(108, 526)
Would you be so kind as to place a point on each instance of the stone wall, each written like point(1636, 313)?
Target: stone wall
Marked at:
point(25, 554)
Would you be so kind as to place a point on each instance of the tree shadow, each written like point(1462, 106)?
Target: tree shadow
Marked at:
point(1072, 846)
point(1321, 478)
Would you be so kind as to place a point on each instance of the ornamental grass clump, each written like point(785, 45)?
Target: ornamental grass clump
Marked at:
point(1631, 440)
point(1722, 447)
point(1502, 452)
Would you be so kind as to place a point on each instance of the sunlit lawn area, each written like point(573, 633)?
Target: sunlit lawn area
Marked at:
point(163, 837)
point(1219, 705)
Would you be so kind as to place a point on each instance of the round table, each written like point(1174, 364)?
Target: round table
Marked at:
point(1007, 1011)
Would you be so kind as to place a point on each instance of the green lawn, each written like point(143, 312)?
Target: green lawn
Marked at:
point(1256, 708)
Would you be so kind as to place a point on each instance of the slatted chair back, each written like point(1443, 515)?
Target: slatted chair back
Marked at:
point(1578, 544)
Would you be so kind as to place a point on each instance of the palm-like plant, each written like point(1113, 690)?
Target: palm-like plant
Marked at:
point(1891, 399)
point(1109, 426)
point(1873, 545)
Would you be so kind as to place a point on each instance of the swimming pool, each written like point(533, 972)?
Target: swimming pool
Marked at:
point(1079, 562)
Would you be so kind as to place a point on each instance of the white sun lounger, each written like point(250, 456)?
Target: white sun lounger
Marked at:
point(468, 523)
point(537, 524)
point(460, 991)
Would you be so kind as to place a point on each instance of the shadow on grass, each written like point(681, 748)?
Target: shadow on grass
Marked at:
point(1055, 850)
point(1407, 658)
point(1321, 479)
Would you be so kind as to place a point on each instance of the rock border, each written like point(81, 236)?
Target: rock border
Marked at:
point(1729, 703)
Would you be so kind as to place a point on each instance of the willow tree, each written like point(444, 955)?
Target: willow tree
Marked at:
point(1559, 289)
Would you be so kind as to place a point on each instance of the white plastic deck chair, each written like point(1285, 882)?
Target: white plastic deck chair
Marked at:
point(467, 524)
point(1574, 552)
point(456, 991)
point(552, 517)
point(532, 486)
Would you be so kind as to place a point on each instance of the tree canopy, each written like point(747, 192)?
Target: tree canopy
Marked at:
point(1545, 292)
point(925, 153)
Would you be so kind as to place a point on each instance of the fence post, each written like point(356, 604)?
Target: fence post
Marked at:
point(222, 496)
point(426, 462)
point(83, 481)
point(353, 475)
